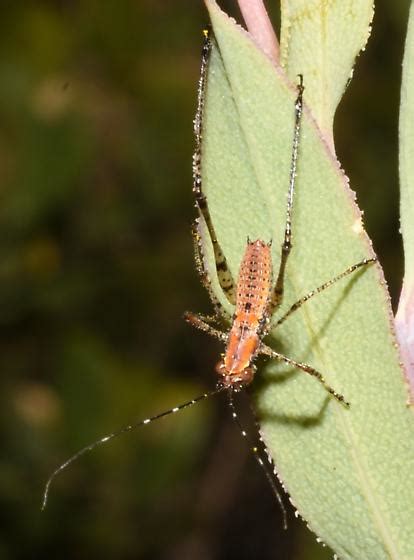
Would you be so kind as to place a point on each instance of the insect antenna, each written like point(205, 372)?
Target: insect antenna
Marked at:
point(257, 455)
point(123, 430)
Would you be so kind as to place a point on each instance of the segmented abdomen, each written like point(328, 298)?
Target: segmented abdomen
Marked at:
point(253, 290)
point(254, 283)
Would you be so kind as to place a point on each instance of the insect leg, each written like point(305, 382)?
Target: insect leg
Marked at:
point(320, 289)
point(200, 322)
point(277, 295)
point(204, 275)
point(267, 351)
point(223, 272)
point(257, 455)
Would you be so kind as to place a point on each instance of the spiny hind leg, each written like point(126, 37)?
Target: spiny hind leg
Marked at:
point(223, 272)
point(278, 290)
point(220, 311)
point(267, 351)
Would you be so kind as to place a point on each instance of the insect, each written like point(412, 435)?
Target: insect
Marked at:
point(255, 297)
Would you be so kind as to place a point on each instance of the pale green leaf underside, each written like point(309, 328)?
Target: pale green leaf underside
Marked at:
point(407, 153)
point(322, 38)
point(350, 473)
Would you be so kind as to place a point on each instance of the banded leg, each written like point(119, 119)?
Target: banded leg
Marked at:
point(201, 323)
point(220, 311)
point(277, 295)
point(257, 455)
point(267, 351)
point(223, 272)
point(321, 288)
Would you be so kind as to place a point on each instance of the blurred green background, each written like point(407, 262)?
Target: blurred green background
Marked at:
point(96, 269)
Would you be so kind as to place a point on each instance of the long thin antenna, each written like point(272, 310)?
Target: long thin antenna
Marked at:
point(256, 453)
point(119, 432)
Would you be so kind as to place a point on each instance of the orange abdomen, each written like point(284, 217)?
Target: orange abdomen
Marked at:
point(254, 283)
point(253, 291)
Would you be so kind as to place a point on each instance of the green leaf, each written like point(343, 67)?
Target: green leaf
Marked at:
point(349, 472)
point(320, 39)
point(407, 152)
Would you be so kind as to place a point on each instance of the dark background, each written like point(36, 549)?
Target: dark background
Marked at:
point(96, 269)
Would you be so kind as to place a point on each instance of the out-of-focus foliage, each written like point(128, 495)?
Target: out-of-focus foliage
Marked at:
point(96, 108)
